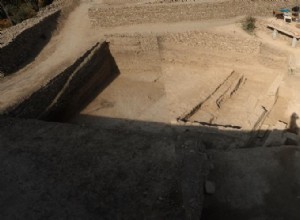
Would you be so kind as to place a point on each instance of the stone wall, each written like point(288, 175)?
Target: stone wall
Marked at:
point(212, 41)
point(154, 13)
point(137, 56)
point(140, 43)
point(117, 2)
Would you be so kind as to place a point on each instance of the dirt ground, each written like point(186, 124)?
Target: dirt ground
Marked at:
point(62, 171)
point(195, 102)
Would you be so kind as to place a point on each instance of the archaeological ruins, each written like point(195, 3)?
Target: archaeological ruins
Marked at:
point(151, 109)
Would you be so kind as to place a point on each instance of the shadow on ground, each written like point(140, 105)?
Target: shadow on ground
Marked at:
point(54, 170)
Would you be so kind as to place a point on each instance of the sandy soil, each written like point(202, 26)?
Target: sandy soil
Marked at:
point(185, 76)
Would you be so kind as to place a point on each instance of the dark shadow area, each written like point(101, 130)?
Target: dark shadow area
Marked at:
point(262, 183)
point(212, 137)
point(82, 173)
point(293, 127)
point(96, 74)
point(23, 49)
point(142, 170)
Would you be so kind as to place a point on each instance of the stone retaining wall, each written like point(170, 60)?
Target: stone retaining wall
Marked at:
point(157, 13)
point(212, 41)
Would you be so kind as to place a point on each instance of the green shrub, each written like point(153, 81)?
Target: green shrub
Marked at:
point(11, 9)
point(17, 11)
point(249, 24)
point(24, 12)
point(43, 3)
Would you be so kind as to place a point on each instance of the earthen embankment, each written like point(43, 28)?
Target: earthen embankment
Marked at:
point(70, 89)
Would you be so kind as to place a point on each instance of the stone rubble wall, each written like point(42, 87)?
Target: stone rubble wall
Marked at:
point(117, 2)
point(157, 13)
point(199, 39)
point(143, 42)
point(213, 41)
point(137, 56)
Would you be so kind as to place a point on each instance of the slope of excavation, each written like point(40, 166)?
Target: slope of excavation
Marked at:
point(226, 101)
point(184, 75)
point(250, 106)
point(245, 110)
point(205, 112)
point(139, 92)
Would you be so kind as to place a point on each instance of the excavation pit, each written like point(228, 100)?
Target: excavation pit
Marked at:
point(194, 78)
point(137, 125)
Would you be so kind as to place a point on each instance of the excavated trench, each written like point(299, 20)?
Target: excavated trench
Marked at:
point(214, 100)
point(174, 79)
point(215, 105)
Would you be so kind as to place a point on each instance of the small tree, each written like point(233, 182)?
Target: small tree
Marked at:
point(248, 24)
point(18, 10)
point(24, 12)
